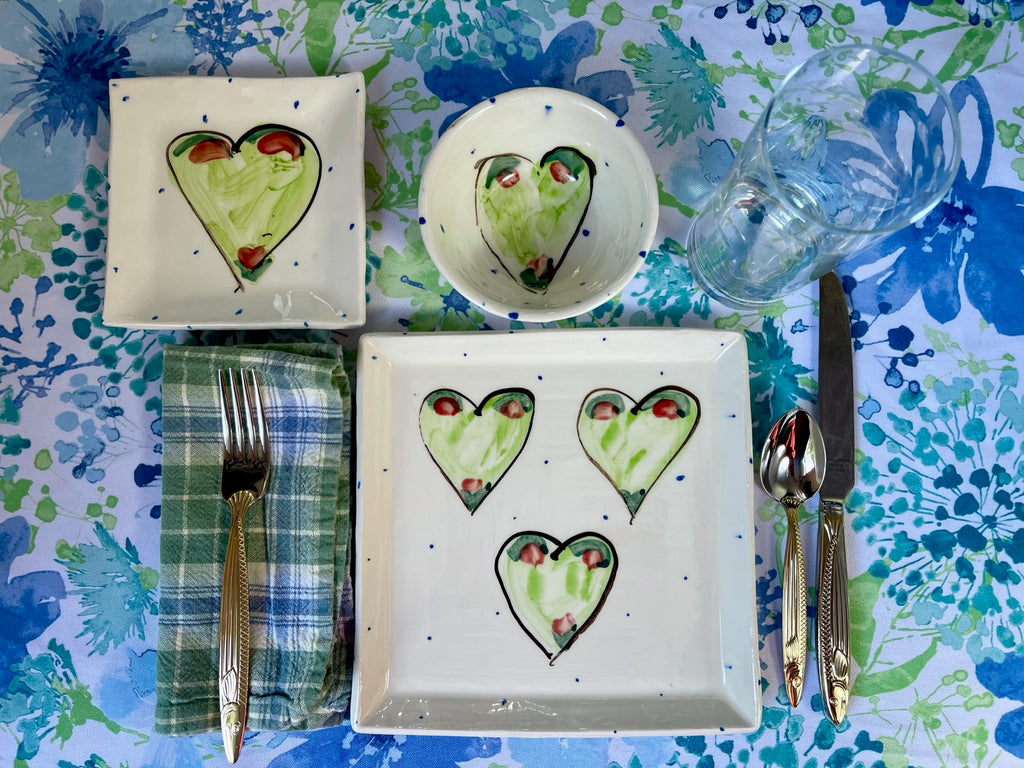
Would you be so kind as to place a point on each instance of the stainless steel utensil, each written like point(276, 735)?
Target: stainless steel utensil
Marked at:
point(246, 459)
point(792, 468)
point(835, 412)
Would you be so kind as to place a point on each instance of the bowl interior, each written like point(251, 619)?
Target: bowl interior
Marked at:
point(614, 233)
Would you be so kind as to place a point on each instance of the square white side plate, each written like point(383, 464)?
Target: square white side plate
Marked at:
point(673, 648)
point(163, 268)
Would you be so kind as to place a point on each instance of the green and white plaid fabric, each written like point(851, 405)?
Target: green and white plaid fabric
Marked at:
point(297, 542)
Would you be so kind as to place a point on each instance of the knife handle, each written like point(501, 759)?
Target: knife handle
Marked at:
point(833, 612)
point(794, 610)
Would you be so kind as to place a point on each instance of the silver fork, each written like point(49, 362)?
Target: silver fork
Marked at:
point(243, 482)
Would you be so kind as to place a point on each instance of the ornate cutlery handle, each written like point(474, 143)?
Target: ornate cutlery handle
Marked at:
point(794, 609)
point(833, 612)
point(234, 631)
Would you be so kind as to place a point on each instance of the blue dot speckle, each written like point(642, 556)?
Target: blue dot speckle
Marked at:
point(513, 315)
point(619, 123)
point(422, 220)
point(680, 478)
point(205, 120)
point(124, 98)
point(238, 311)
point(296, 104)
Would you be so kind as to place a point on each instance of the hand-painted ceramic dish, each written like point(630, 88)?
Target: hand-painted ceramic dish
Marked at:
point(547, 543)
point(538, 204)
point(236, 203)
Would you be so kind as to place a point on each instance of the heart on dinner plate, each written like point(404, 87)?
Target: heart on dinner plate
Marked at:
point(555, 589)
point(632, 442)
point(530, 213)
point(474, 446)
point(248, 194)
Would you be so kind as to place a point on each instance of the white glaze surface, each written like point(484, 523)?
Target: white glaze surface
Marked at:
point(163, 269)
point(674, 646)
point(616, 232)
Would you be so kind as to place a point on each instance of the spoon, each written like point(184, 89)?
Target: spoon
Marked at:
point(792, 468)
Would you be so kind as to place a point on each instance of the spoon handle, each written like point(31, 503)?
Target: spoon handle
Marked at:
point(794, 610)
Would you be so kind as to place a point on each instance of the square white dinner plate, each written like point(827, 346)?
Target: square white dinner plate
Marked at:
point(462, 623)
point(174, 261)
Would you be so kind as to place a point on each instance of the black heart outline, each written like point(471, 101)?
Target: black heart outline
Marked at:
point(478, 410)
point(560, 547)
point(635, 410)
point(591, 166)
point(236, 146)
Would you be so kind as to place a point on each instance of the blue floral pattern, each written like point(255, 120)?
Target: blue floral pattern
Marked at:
point(59, 85)
point(975, 234)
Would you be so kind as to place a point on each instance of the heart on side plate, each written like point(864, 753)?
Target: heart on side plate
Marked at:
point(555, 589)
point(248, 194)
point(529, 213)
point(632, 442)
point(475, 446)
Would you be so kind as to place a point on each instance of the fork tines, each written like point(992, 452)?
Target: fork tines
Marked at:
point(243, 428)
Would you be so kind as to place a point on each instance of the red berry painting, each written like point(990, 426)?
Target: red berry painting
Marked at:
point(530, 214)
point(474, 446)
point(249, 194)
point(555, 589)
point(633, 442)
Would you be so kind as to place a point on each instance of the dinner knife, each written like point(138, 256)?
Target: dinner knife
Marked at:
point(835, 417)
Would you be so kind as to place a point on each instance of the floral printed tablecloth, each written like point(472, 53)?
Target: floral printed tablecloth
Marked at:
point(935, 531)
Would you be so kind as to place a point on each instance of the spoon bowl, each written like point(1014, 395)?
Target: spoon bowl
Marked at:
point(792, 469)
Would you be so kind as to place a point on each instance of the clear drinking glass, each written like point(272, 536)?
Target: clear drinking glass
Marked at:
point(857, 143)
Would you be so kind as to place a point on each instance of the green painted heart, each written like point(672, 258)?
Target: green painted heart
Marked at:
point(555, 589)
point(529, 213)
point(475, 446)
point(248, 194)
point(632, 443)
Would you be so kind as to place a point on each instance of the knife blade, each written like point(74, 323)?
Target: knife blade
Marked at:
point(836, 419)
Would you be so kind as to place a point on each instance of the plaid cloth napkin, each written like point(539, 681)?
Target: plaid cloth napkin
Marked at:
point(297, 542)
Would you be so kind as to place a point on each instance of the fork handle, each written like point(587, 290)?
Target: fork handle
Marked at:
point(234, 631)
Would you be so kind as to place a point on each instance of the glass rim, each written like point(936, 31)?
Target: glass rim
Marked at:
point(942, 94)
